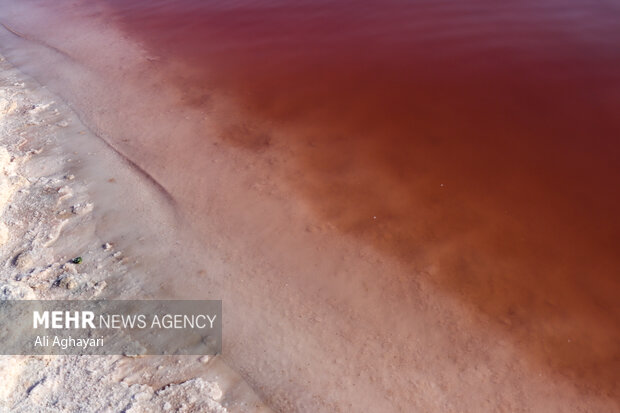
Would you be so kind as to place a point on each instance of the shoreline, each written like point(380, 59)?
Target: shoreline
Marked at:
point(58, 190)
point(47, 211)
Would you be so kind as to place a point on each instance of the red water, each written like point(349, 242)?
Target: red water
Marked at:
point(480, 135)
point(476, 137)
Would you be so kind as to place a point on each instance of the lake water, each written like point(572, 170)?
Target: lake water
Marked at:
point(474, 142)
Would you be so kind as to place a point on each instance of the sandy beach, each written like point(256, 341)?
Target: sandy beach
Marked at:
point(380, 241)
point(48, 219)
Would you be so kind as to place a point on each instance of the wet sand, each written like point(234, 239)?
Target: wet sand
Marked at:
point(434, 231)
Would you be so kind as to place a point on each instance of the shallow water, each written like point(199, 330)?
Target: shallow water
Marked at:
point(486, 131)
point(475, 143)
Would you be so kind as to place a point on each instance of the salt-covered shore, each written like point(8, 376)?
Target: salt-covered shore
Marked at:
point(50, 216)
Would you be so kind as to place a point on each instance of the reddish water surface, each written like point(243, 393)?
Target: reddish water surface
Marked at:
point(474, 141)
point(478, 136)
